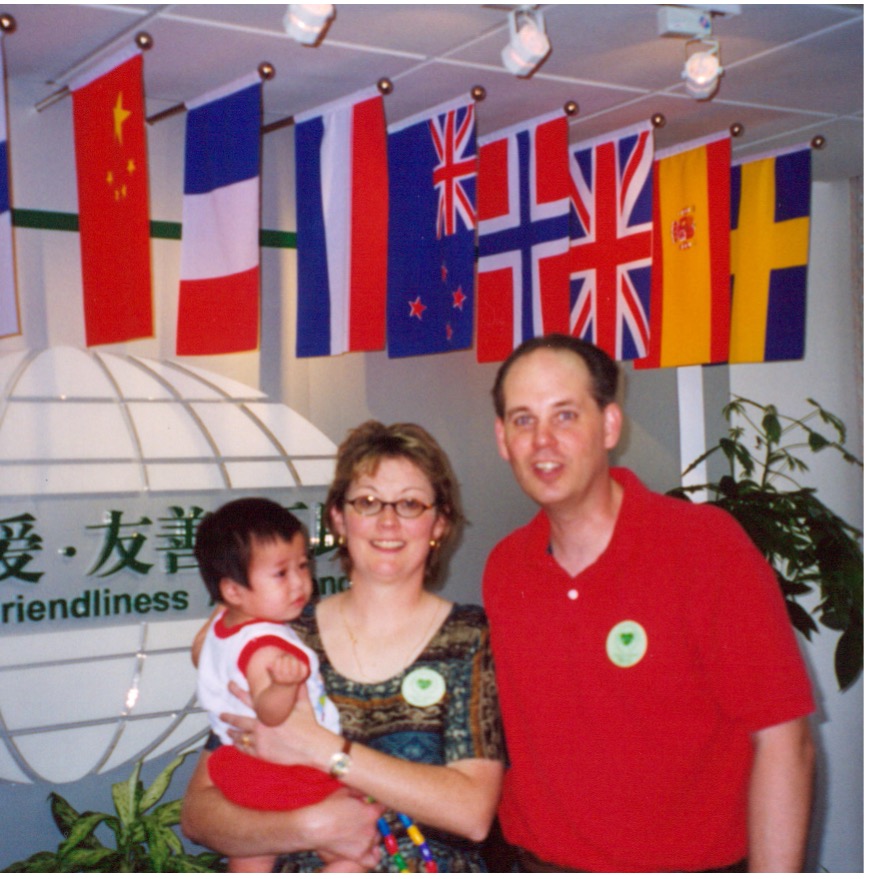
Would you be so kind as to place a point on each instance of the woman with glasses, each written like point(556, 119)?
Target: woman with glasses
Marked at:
point(410, 672)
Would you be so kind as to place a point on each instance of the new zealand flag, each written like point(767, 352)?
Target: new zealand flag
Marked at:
point(430, 259)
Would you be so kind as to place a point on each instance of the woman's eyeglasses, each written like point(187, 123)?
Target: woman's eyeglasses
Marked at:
point(406, 508)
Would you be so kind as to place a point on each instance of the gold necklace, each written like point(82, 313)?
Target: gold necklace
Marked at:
point(364, 676)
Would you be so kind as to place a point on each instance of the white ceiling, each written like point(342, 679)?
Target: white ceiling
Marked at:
point(791, 70)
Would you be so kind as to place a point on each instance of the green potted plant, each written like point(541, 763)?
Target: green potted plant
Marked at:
point(144, 839)
point(810, 547)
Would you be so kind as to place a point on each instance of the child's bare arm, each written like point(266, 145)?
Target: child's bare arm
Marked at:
point(274, 677)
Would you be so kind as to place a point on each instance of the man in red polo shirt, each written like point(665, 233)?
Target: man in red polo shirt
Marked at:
point(653, 695)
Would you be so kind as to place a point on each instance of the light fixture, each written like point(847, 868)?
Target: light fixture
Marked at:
point(529, 44)
point(702, 69)
point(308, 22)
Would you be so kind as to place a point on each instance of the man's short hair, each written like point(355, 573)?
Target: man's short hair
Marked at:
point(224, 539)
point(601, 366)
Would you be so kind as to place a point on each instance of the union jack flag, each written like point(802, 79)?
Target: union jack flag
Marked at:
point(522, 269)
point(611, 241)
point(453, 178)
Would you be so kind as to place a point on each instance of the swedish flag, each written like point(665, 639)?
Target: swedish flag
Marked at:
point(770, 231)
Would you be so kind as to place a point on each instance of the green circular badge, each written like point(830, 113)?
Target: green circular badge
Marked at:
point(626, 644)
point(423, 687)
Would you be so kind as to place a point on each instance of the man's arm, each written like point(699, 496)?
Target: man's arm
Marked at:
point(780, 795)
point(342, 825)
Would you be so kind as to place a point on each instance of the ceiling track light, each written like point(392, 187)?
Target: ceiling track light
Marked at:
point(529, 44)
point(308, 22)
point(702, 69)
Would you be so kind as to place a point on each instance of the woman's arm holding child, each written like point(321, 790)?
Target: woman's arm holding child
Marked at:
point(342, 825)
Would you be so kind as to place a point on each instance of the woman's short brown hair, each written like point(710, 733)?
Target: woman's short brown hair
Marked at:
point(362, 452)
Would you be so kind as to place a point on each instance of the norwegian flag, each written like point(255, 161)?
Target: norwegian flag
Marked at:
point(522, 272)
point(454, 175)
point(430, 255)
point(611, 241)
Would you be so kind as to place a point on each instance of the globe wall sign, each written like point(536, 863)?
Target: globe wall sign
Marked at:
point(107, 464)
point(77, 561)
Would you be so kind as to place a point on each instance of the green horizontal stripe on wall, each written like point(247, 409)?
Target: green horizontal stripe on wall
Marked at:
point(45, 220)
point(61, 222)
point(276, 238)
point(162, 229)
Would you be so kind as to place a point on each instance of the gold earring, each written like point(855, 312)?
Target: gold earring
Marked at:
point(341, 540)
point(434, 543)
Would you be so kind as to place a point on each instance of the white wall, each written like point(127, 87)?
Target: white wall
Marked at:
point(830, 374)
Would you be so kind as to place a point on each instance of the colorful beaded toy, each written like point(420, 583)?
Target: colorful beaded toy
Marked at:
point(414, 834)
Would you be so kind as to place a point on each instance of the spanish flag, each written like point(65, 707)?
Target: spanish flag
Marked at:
point(690, 307)
point(770, 239)
point(112, 177)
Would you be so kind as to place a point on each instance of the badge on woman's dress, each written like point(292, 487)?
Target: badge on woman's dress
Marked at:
point(423, 687)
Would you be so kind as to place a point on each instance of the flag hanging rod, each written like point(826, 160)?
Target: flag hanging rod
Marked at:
point(275, 126)
point(143, 40)
point(7, 23)
point(265, 69)
point(385, 85)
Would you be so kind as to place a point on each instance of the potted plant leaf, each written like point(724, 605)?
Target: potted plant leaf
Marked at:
point(142, 827)
point(811, 548)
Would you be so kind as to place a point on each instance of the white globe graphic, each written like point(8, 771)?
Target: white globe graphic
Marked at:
point(75, 423)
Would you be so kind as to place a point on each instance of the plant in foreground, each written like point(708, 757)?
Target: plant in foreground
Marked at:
point(144, 839)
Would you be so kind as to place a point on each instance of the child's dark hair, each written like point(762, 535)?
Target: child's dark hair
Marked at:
point(224, 538)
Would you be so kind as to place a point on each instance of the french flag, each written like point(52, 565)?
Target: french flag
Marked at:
point(9, 325)
point(341, 220)
point(219, 295)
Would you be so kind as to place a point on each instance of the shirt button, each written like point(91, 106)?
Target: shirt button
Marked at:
point(573, 594)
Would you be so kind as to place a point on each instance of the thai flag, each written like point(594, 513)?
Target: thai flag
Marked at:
point(611, 241)
point(219, 297)
point(522, 235)
point(431, 254)
point(9, 324)
point(341, 221)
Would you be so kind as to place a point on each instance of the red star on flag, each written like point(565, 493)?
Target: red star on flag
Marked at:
point(448, 331)
point(443, 274)
point(458, 298)
point(417, 309)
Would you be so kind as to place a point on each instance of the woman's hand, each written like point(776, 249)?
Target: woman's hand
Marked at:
point(341, 826)
point(300, 740)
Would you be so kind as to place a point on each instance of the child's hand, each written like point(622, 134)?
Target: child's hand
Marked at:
point(288, 669)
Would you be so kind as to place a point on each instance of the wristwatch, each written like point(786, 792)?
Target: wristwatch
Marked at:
point(340, 762)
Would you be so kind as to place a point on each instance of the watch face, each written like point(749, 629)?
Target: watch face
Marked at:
point(340, 765)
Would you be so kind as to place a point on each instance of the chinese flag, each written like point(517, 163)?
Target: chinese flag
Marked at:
point(112, 172)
